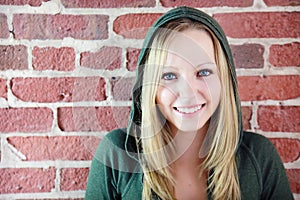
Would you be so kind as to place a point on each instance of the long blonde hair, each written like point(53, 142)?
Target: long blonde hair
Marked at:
point(156, 139)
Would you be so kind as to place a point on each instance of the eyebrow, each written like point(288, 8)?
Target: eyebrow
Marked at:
point(166, 67)
point(170, 67)
point(207, 63)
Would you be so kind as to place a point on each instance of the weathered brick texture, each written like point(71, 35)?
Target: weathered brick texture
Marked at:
point(288, 149)
point(40, 26)
point(25, 119)
point(247, 114)
point(92, 118)
point(248, 55)
point(67, 89)
point(260, 25)
point(294, 178)
point(3, 88)
point(132, 57)
point(108, 58)
point(13, 57)
point(122, 88)
point(67, 69)
point(285, 55)
point(279, 118)
point(74, 178)
point(50, 58)
point(134, 25)
point(22, 2)
point(4, 32)
point(282, 2)
point(108, 3)
point(203, 3)
point(21, 180)
point(253, 88)
point(54, 148)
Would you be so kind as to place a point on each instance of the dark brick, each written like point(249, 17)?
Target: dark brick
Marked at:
point(248, 55)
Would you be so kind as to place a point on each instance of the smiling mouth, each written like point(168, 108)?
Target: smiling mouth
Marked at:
point(188, 110)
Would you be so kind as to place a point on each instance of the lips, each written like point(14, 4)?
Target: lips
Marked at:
point(189, 110)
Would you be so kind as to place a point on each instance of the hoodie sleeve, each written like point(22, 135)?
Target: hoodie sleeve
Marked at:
point(264, 173)
point(101, 181)
point(114, 174)
point(274, 178)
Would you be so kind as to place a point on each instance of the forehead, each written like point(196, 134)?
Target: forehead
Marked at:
point(193, 46)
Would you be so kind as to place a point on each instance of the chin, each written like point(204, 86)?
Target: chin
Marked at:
point(192, 128)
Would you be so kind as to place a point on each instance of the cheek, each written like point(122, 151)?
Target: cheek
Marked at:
point(164, 95)
point(214, 89)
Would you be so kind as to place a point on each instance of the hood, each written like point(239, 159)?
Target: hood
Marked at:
point(179, 12)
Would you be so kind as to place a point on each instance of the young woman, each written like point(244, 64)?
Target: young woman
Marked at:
point(185, 137)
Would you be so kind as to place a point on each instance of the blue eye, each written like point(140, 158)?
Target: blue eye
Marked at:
point(168, 76)
point(204, 72)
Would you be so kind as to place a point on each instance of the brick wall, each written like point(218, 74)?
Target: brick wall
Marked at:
point(66, 69)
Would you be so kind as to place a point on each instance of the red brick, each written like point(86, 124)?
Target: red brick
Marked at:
point(50, 58)
point(22, 2)
point(85, 27)
point(260, 24)
point(108, 3)
point(67, 89)
point(285, 55)
point(25, 119)
point(247, 114)
point(4, 31)
point(3, 88)
point(122, 88)
point(13, 57)
point(279, 118)
point(73, 179)
point(55, 148)
point(204, 3)
point(106, 58)
point(26, 180)
point(92, 118)
point(294, 178)
point(132, 58)
point(288, 149)
point(252, 88)
point(248, 55)
point(134, 25)
point(282, 2)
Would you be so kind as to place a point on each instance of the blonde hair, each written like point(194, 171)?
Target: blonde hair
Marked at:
point(156, 139)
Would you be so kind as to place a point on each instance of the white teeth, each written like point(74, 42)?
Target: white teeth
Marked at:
point(189, 110)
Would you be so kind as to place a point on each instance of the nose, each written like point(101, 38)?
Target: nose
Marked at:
point(188, 88)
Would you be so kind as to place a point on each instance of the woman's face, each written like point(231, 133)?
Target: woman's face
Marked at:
point(189, 89)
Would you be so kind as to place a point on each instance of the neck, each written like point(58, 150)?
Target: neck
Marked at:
point(188, 145)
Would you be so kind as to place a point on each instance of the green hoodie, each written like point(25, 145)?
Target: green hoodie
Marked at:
point(116, 173)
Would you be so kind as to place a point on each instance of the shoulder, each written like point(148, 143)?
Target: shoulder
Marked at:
point(253, 140)
point(261, 170)
point(115, 137)
point(114, 173)
point(120, 139)
point(257, 145)
point(258, 148)
point(255, 151)
point(116, 151)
